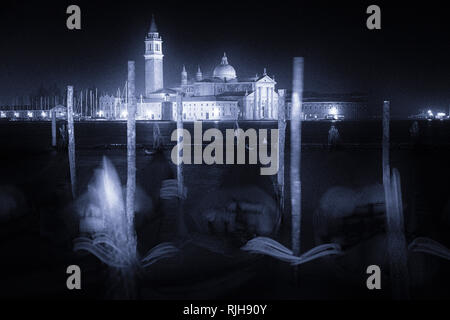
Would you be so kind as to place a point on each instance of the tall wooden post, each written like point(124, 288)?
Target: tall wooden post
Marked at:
point(281, 143)
point(180, 144)
point(131, 145)
point(53, 128)
point(86, 105)
point(157, 138)
point(296, 149)
point(91, 100)
point(385, 155)
point(71, 133)
point(396, 242)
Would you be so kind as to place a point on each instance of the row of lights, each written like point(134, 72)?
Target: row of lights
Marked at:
point(29, 114)
point(44, 114)
point(439, 115)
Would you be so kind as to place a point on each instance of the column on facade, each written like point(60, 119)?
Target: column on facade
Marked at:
point(272, 113)
point(270, 103)
point(266, 109)
point(254, 109)
point(259, 103)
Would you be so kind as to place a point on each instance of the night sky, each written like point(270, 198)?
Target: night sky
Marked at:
point(407, 61)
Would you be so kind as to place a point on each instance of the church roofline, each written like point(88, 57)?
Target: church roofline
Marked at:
point(262, 77)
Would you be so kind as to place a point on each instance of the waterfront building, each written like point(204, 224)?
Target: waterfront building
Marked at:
point(224, 95)
point(221, 96)
point(331, 106)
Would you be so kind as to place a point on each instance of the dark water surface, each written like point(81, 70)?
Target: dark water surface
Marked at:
point(29, 165)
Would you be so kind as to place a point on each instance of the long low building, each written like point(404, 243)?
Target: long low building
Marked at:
point(319, 106)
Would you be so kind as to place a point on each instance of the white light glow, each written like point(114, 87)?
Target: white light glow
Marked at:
point(333, 111)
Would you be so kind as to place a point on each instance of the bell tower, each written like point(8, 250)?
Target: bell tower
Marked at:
point(154, 79)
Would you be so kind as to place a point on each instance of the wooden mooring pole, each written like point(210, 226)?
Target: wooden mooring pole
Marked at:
point(131, 147)
point(180, 145)
point(281, 144)
point(296, 151)
point(53, 128)
point(71, 133)
point(396, 242)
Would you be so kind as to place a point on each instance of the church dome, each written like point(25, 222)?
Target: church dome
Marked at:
point(224, 71)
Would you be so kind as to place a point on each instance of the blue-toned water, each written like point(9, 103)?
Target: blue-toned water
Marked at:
point(29, 165)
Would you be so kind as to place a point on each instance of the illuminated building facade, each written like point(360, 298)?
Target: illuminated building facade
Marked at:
point(317, 106)
point(223, 95)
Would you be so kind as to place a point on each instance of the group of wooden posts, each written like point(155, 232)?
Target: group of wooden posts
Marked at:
point(397, 248)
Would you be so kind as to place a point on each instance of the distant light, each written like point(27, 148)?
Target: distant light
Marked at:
point(333, 111)
point(440, 115)
point(430, 112)
point(16, 114)
point(2, 115)
point(43, 114)
point(124, 114)
point(100, 113)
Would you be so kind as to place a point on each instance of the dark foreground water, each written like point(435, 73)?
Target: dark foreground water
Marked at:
point(36, 237)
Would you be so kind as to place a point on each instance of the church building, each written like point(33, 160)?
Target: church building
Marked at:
point(221, 96)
